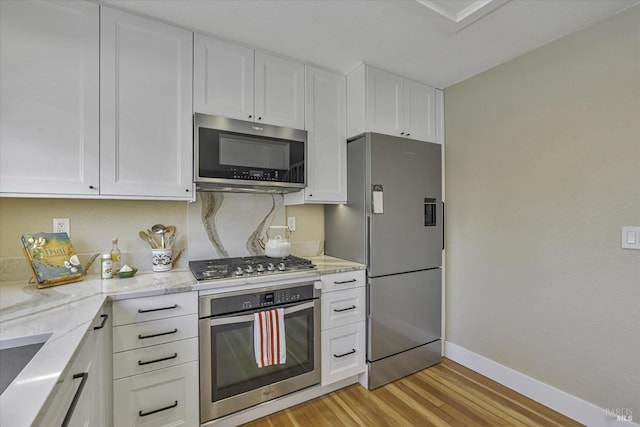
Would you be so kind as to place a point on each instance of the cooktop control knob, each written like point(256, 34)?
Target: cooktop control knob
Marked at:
point(270, 267)
point(259, 268)
point(239, 271)
point(249, 269)
point(281, 266)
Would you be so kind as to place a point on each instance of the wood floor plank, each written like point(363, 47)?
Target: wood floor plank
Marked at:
point(447, 394)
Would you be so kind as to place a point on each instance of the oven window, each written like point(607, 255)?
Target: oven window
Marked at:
point(234, 368)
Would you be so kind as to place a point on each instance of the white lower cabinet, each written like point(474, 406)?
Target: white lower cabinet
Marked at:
point(343, 352)
point(83, 395)
point(343, 325)
point(165, 397)
point(155, 361)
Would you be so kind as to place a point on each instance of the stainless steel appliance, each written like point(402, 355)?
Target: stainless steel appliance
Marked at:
point(259, 266)
point(236, 155)
point(392, 222)
point(230, 379)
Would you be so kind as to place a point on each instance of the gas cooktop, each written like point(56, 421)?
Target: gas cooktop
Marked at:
point(225, 268)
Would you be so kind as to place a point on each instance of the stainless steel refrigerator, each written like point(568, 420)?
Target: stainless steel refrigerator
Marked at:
point(393, 223)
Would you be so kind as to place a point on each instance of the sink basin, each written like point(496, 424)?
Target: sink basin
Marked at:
point(15, 354)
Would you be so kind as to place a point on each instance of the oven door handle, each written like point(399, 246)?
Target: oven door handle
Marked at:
point(249, 317)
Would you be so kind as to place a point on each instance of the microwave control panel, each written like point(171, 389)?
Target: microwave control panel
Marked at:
point(255, 174)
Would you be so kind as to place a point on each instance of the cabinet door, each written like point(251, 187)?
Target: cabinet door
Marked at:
point(79, 384)
point(167, 397)
point(343, 352)
point(222, 78)
point(279, 91)
point(419, 111)
point(325, 117)
point(384, 102)
point(146, 120)
point(102, 410)
point(49, 105)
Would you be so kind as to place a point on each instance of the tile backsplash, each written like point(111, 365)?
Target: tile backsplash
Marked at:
point(229, 224)
point(216, 225)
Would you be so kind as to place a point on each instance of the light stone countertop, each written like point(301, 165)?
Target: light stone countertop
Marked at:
point(67, 313)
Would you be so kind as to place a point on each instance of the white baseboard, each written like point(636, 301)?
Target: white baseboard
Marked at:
point(551, 397)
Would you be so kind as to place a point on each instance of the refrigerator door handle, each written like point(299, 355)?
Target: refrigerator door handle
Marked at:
point(443, 225)
point(368, 242)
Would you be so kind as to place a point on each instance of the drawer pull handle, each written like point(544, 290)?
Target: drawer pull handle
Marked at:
point(338, 356)
point(158, 309)
point(141, 363)
point(343, 282)
point(104, 320)
point(340, 310)
point(142, 337)
point(76, 397)
point(155, 411)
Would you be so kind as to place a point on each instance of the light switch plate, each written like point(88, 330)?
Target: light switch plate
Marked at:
point(631, 237)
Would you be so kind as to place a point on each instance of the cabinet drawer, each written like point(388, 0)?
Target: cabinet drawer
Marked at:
point(342, 308)
point(160, 356)
point(152, 308)
point(166, 397)
point(145, 334)
point(341, 281)
point(343, 352)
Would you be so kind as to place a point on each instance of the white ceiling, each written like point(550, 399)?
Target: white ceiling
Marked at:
point(439, 42)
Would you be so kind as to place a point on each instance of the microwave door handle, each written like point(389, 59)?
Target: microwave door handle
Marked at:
point(249, 317)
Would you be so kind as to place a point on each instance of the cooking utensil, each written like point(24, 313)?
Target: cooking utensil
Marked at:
point(147, 238)
point(171, 239)
point(171, 231)
point(153, 237)
point(161, 230)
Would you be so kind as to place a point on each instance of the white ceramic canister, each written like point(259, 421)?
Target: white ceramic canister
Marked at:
point(161, 259)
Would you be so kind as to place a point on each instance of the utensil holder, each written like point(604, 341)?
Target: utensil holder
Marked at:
point(161, 259)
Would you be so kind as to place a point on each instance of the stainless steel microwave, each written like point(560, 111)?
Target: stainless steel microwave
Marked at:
point(237, 155)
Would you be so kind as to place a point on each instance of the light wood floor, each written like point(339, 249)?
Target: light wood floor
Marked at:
point(447, 394)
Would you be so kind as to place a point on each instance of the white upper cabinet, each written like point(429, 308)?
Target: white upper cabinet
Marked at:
point(384, 108)
point(325, 121)
point(383, 102)
point(419, 113)
point(222, 78)
point(49, 127)
point(279, 94)
point(237, 82)
point(146, 107)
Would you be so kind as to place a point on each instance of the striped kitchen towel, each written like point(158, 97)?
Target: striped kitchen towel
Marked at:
point(269, 341)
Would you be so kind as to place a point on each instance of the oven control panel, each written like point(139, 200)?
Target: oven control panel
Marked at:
point(224, 304)
point(281, 297)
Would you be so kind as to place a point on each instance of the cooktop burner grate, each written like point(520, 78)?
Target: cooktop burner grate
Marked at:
point(223, 268)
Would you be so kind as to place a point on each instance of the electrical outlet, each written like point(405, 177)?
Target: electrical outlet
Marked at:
point(61, 225)
point(631, 237)
point(291, 223)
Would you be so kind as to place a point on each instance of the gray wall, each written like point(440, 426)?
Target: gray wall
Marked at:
point(542, 170)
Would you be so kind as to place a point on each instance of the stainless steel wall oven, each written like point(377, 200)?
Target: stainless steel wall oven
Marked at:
point(230, 379)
